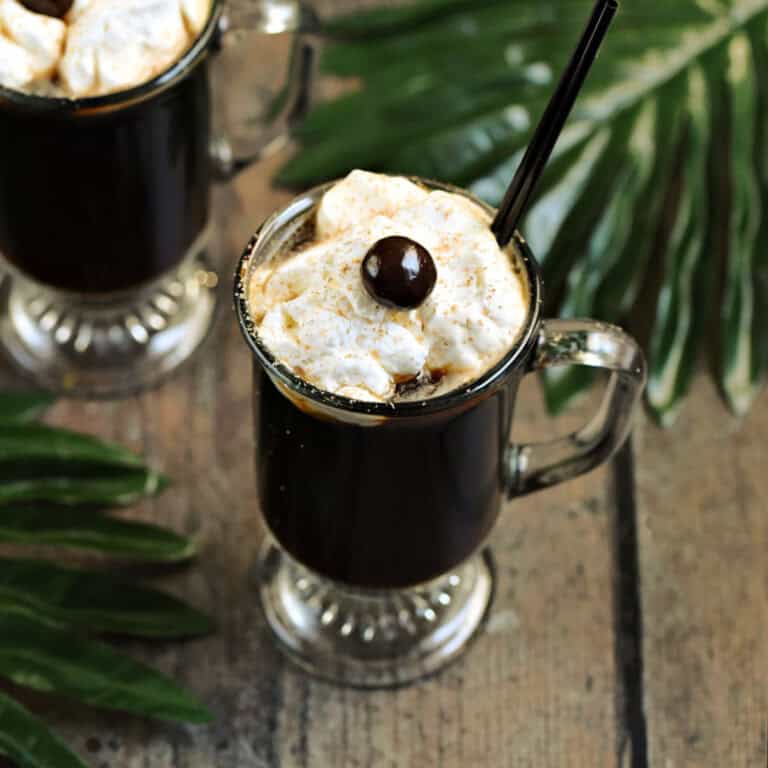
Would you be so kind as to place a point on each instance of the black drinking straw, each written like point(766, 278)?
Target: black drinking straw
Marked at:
point(551, 124)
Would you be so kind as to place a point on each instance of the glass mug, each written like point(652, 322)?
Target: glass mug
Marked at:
point(104, 209)
point(375, 573)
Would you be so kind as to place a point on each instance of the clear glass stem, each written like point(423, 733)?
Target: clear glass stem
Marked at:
point(108, 345)
point(372, 638)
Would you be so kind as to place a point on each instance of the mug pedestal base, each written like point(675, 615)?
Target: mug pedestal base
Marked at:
point(105, 346)
point(372, 638)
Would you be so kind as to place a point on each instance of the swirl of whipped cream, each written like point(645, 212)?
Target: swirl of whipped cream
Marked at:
point(313, 312)
point(30, 45)
point(100, 47)
point(116, 44)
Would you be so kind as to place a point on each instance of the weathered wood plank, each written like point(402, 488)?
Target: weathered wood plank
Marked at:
point(703, 536)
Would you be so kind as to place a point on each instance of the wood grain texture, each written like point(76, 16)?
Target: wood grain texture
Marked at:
point(536, 689)
point(702, 492)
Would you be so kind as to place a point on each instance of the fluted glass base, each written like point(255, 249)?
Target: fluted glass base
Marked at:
point(372, 638)
point(113, 344)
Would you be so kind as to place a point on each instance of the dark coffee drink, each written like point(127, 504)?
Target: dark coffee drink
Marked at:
point(105, 153)
point(380, 506)
point(390, 335)
point(101, 196)
point(105, 202)
point(360, 312)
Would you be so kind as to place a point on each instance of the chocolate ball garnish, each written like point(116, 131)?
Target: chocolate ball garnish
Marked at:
point(56, 8)
point(398, 272)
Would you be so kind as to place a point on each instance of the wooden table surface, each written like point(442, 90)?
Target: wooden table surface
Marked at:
point(628, 629)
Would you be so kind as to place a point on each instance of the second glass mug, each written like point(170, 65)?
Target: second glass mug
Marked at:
point(375, 574)
point(104, 208)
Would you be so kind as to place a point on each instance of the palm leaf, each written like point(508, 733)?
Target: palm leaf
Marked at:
point(388, 19)
point(742, 370)
point(83, 529)
point(682, 305)
point(452, 89)
point(20, 407)
point(27, 741)
point(96, 601)
point(72, 487)
point(54, 487)
point(604, 247)
point(43, 445)
point(45, 656)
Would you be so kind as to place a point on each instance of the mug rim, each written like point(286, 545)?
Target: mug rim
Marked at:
point(124, 98)
point(464, 394)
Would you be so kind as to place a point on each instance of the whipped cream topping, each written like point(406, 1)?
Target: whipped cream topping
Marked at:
point(100, 47)
point(312, 311)
point(30, 45)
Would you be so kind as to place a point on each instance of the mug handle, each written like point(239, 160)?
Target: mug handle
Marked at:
point(599, 345)
point(291, 103)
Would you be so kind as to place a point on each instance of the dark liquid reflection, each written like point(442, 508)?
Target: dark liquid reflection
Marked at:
point(386, 506)
point(106, 202)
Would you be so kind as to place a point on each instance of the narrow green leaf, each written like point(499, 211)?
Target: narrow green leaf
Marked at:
point(603, 248)
point(481, 33)
point(27, 741)
point(42, 463)
point(85, 530)
point(614, 228)
point(39, 443)
point(621, 284)
point(682, 308)
point(655, 67)
point(378, 21)
point(427, 108)
point(20, 407)
point(741, 375)
point(96, 601)
point(46, 657)
point(759, 40)
point(367, 140)
point(114, 489)
point(492, 185)
point(551, 214)
point(461, 152)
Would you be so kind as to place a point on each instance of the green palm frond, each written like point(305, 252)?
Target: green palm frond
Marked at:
point(659, 183)
point(54, 486)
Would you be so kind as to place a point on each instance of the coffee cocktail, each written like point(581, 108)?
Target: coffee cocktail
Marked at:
point(106, 204)
point(426, 490)
point(81, 48)
point(105, 130)
point(390, 334)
